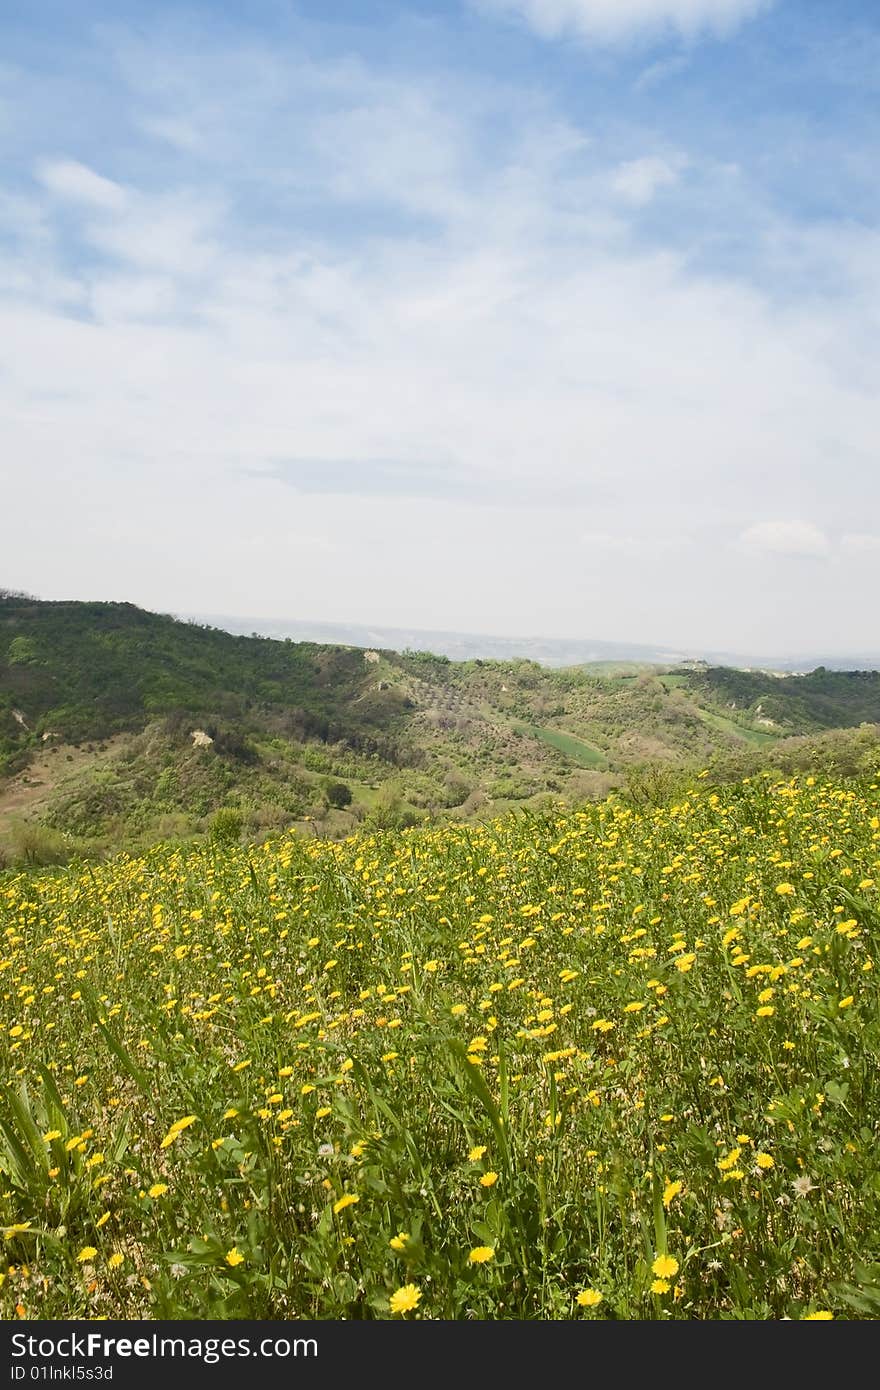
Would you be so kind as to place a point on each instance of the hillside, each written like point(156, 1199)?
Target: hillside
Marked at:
point(120, 726)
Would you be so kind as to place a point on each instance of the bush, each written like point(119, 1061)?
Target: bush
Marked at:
point(338, 794)
point(36, 846)
point(226, 825)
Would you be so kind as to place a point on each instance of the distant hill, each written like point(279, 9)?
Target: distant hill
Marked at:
point(119, 726)
point(548, 651)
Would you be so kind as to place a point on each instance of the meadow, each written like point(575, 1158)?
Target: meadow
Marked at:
point(613, 1063)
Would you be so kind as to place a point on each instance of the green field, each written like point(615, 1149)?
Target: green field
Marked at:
point(757, 737)
point(610, 1064)
point(583, 753)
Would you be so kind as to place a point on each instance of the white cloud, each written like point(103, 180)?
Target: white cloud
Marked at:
point(183, 135)
point(610, 542)
point(166, 232)
point(486, 313)
point(638, 180)
point(615, 20)
point(74, 182)
point(786, 538)
point(860, 543)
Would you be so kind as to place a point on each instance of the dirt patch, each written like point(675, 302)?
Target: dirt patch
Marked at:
point(27, 794)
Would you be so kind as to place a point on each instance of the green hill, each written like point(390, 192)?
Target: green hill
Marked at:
point(120, 726)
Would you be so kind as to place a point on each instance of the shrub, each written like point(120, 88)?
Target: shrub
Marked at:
point(226, 825)
point(338, 794)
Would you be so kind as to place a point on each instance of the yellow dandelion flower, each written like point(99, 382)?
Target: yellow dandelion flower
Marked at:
point(659, 1286)
point(88, 1252)
point(405, 1299)
point(477, 1152)
point(765, 1160)
point(177, 1129)
point(588, 1298)
point(10, 1232)
point(158, 1189)
point(347, 1200)
point(665, 1266)
point(821, 1315)
point(488, 1179)
point(481, 1254)
point(234, 1257)
point(670, 1192)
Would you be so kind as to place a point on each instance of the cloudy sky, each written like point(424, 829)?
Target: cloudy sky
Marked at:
point(551, 317)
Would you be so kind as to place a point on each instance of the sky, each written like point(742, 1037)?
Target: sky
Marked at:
point(526, 317)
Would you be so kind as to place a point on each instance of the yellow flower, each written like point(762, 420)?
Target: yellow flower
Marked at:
point(10, 1232)
point(399, 1241)
point(588, 1298)
point(488, 1179)
point(158, 1189)
point(177, 1129)
point(765, 1160)
point(481, 1254)
point(347, 1200)
point(845, 1003)
point(405, 1299)
point(821, 1315)
point(115, 1260)
point(659, 1286)
point(670, 1192)
point(765, 1011)
point(665, 1266)
point(88, 1252)
point(476, 1153)
point(785, 890)
point(234, 1257)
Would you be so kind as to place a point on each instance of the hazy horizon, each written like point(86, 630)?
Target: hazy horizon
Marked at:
point(461, 643)
point(506, 317)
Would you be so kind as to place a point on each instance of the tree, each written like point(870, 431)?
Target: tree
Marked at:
point(338, 795)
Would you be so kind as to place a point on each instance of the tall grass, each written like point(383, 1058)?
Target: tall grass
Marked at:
point(617, 1063)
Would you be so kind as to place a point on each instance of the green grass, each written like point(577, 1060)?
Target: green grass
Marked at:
point(623, 670)
point(574, 748)
point(757, 737)
point(608, 1064)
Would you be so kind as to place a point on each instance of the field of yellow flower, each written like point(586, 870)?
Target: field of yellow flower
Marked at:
point(609, 1064)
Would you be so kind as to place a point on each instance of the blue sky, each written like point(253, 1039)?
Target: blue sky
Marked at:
point(521, 316)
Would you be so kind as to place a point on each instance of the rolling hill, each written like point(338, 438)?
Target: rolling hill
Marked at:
point(120, 726)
